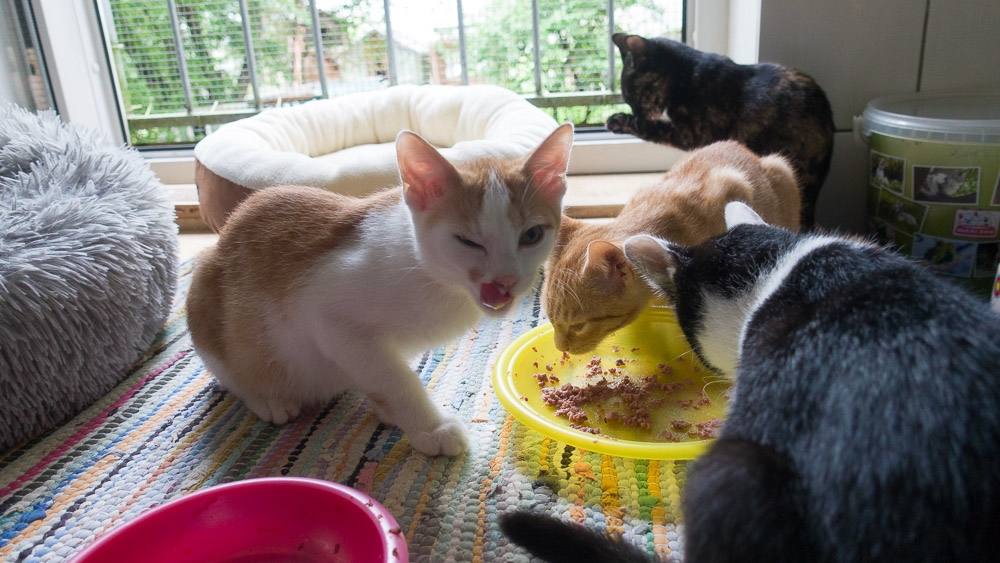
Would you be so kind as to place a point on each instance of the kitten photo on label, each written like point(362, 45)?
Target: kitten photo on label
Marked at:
point(308, 293)
point(591, 290)
point(686, 98)
point(942, 184)
point(865, 420)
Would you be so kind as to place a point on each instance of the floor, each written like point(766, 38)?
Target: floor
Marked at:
point(193, 243)
point(591, 196)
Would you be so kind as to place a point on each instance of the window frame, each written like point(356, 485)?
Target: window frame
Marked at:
point(78, 55)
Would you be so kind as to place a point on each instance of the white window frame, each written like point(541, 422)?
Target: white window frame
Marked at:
point(76, 59)
point(84, 88)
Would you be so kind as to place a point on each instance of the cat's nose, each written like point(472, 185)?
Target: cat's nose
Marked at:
point(505, 283)
point(561, 342)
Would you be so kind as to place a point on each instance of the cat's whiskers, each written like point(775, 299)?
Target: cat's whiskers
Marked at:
point(569, 289)
point(682, 355)
point(571, 272)
point(406, 271)
point(710, 380)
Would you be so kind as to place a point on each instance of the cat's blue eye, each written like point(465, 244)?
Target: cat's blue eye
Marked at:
point(532, 236)
point(468, 242)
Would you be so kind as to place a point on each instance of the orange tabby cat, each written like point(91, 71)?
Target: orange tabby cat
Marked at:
point(308, 293)
point(590, 288)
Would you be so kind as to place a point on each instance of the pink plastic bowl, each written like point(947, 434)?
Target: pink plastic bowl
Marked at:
point(256, 520)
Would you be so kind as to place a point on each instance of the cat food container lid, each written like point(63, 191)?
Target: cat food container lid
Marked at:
point(945, 117)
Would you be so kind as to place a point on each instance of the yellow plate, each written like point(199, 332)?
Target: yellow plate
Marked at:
point(655, 338)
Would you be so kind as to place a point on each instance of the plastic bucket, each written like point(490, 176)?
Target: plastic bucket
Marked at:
point(934, 181)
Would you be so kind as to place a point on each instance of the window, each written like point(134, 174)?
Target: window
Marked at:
point(23, 78)
point(183, 67)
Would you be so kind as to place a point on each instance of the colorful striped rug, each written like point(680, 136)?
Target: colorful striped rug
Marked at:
point(168, 430)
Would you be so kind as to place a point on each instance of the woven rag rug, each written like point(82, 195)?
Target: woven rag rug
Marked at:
point(168, 430)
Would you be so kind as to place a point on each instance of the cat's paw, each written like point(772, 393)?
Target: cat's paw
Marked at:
point(449, 438)
point(275, 410)
point(621, 123)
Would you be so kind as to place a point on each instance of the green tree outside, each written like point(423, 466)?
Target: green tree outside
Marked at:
point(500, 50)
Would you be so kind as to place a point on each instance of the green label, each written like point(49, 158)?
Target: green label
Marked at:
point(938, 203)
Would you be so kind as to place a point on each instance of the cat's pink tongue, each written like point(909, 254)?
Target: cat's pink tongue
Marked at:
point(494, 296)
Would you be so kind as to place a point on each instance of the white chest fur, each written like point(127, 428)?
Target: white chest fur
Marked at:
point(722, 330)
point(378, 287)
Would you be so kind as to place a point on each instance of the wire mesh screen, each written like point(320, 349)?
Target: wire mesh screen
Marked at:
point(284, 52)
point(574, 46)
point(147, 64)
point(500, 54)
point(185, 66)
point(355, 55)
point(424, 34)
point(214, 53)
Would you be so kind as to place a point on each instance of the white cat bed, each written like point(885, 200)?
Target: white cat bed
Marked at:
point(345, 144)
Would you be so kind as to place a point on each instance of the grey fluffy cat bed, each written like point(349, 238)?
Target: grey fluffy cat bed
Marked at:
point(88, 268)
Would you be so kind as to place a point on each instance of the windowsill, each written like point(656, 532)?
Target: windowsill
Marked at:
point(588, 196)
point(605, 170)
point(593, 153)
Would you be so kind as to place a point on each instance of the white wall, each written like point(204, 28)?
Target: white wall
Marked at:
point(727, 27)
point(859, 50)
point(744, 31)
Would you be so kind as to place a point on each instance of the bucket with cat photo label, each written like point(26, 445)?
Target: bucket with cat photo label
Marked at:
point(995, 298)
point(934, 181)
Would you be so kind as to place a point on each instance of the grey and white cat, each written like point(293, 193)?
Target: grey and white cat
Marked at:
point(865, 422)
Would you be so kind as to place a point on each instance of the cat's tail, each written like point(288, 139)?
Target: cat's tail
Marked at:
point(556, 541)
point(739, 504)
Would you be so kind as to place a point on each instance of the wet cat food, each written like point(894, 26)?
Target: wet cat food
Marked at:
point(626, 397)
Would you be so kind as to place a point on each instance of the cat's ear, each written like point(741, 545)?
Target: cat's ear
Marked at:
point(629, 43)
point(425, 173)
point(739, 213)
point(654, 258)
point(632, 46)
point(619, 40)
point(547, 165)
point(607, 263)
point(635, 44)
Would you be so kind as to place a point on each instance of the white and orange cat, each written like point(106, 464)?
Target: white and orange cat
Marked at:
point(308, 293)
point(591, 290)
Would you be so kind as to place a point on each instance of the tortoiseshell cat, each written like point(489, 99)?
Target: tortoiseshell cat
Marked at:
point(686, 98)
point(590, 288)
